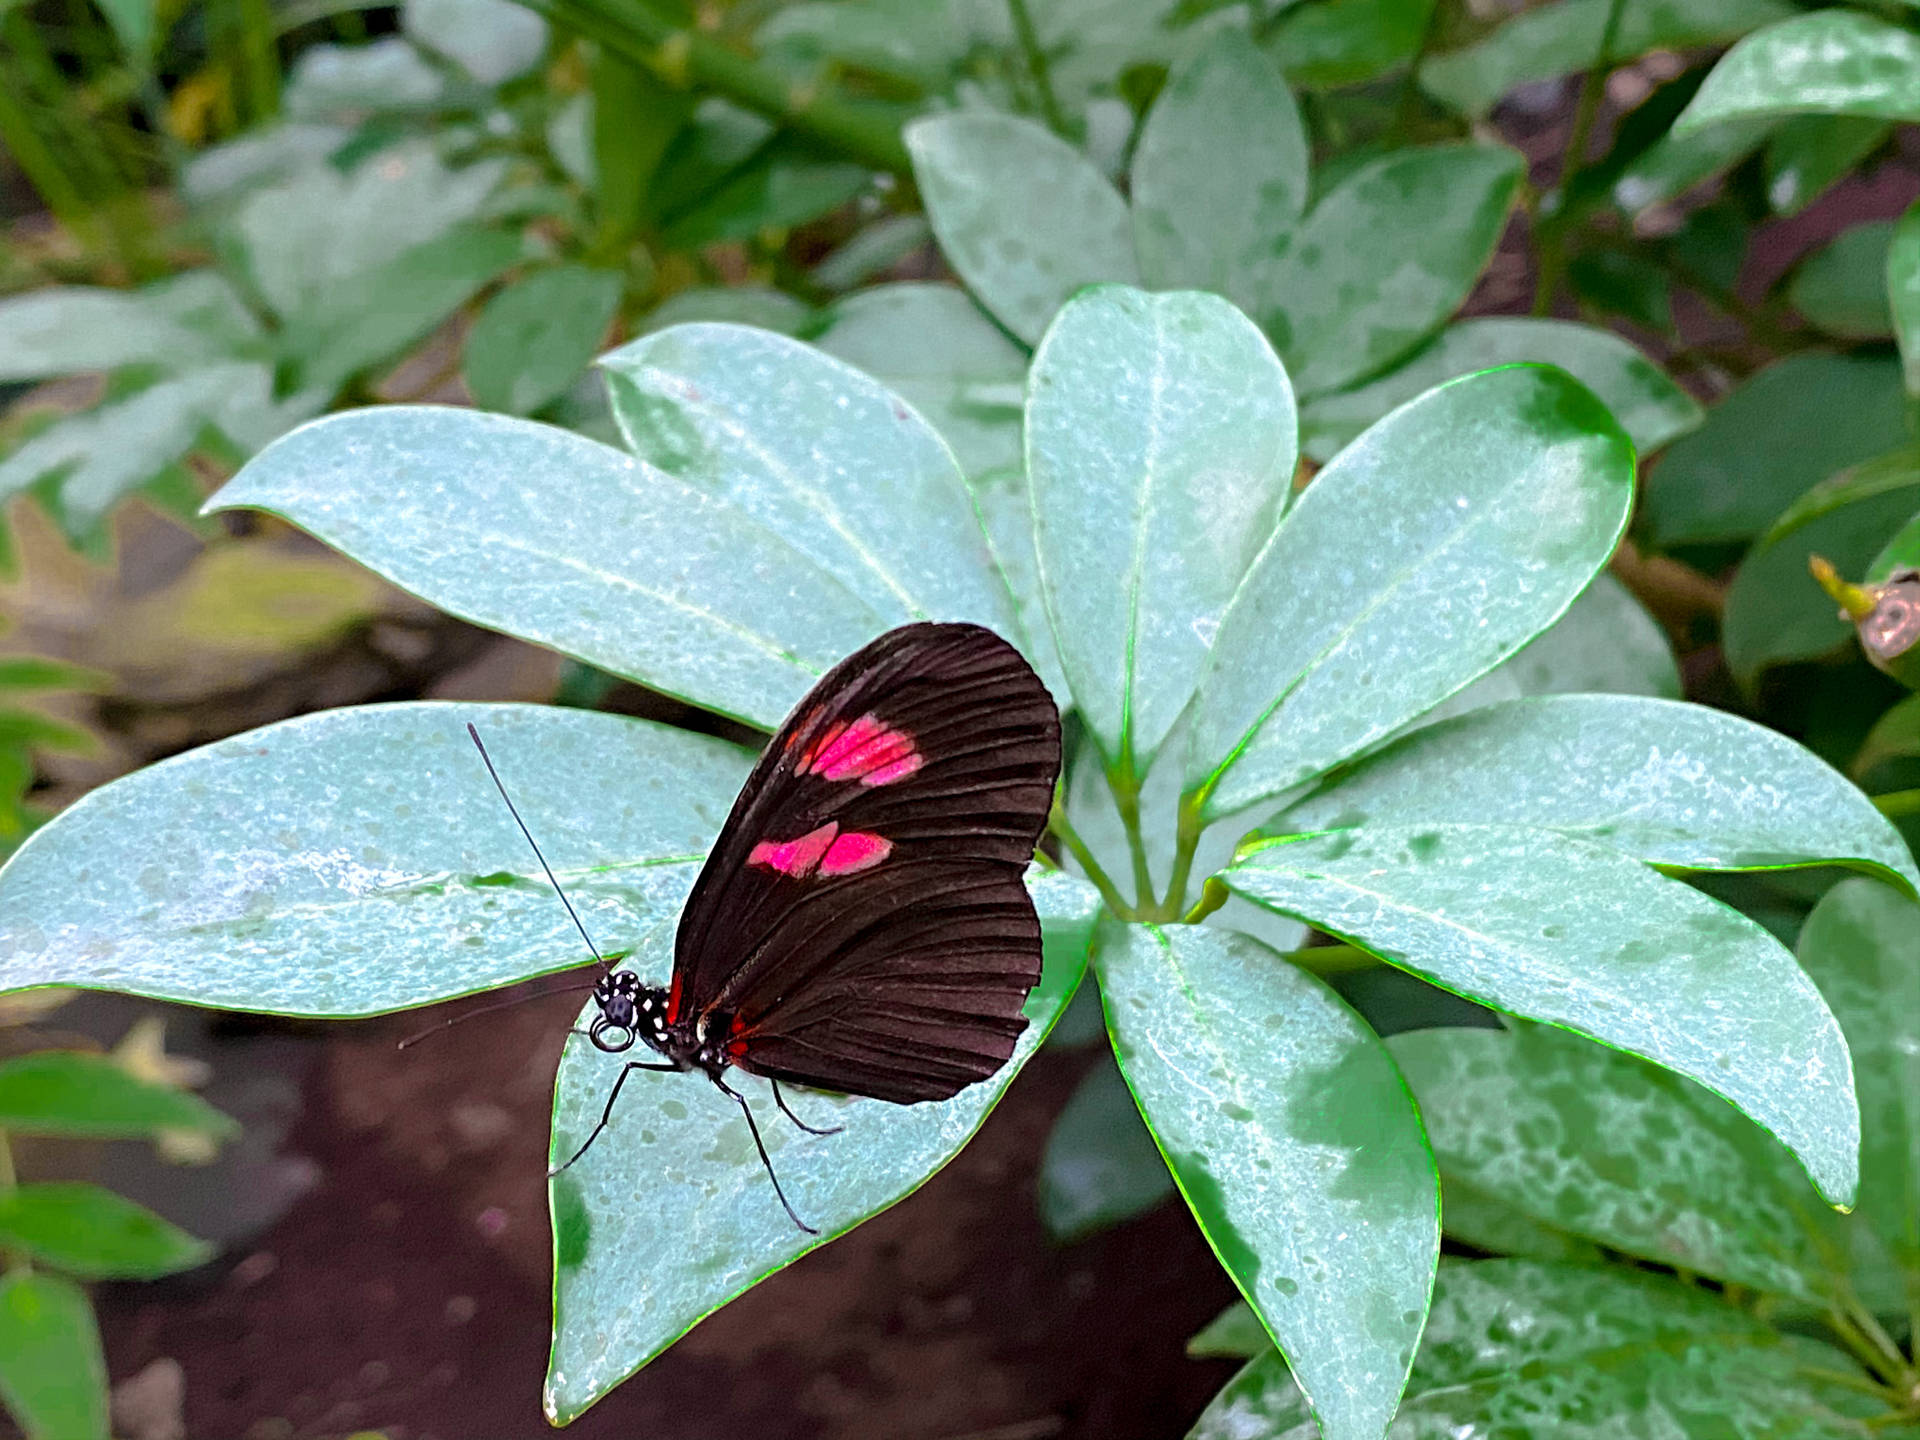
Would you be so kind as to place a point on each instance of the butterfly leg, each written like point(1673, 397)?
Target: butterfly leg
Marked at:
point(607, 1113)
point(781, 1101)
point(758, 1144)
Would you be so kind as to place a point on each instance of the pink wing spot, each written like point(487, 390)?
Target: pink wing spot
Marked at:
point(795, 858)
point(855, 851)
point(867, 750)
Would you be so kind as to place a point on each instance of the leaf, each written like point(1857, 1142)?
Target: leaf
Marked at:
point(1606, 643)
point(1486, 1222)
point(1674, 164)
point(1650, 407)
point(1023, 217)
point(225, 174)
point(1346, 42)
point(735, 305)
point(38, 672)
point(357, 861)
point(821, 455)
point(1591, 1141)
point(1219, 175)
point(1774, 610)
point(1861, 945)
point(1789, 426)
point(394, 305)
point(1555, 40)
point(1842, 287)
point(636, 116)
point(1005, 502)
point(189, 319)
point(1902, 552)
point(1160, 448)
point(1100, 1167)
point(673, 1191)
point(492, 40)
point(1667, 783)
point(1293, 1138)
point(1832, 62)
point(53, 1376)
point(1903, 293)
point(873, 251)
point(1386, 258)
point(564, 541)
point(1553, 928)
point(1514, 1347)
point(346, 84)
point(93, 1233)
point(938, 351)
point(306, 240)
point(1808, 154)
point(1440, 541)
point(67, 1092)
point(1235, 1333)
point(536, 337)
point(785, 185)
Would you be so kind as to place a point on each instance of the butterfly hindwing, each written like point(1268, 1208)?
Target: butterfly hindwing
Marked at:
point(862, 924)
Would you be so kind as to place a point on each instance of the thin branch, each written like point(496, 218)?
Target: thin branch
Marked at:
point(1586, 110)
point(1036, 58)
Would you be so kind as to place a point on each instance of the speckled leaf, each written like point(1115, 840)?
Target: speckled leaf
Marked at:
point(1491, 1223)
point(1649, 406)
point(1671, 784)
point(1160, 448)
point(1100, 1166)
point(1559, 39)
point(359, 860)
point(1861, 945)
point(95, 1234)
point(1786, 429)
point(82, 1094)
point(1832, 62)
point(53, 1376)
point(935, 349)
point(819, 453)
point(1344, 42)
point(1903, 294)
point(1606, 1146)
point(1386, 258)
point(567, 543)
point(1005, 502)
point(1606, 643)
point(670, 1216)
point(1025, 218)
point(1547, 926)
point(1220, 175)
point(1515, 1347)
point(1810, 153)
point(1293, 1138)
point(1774, 611)
point(1439, 542)
point(1842, 287)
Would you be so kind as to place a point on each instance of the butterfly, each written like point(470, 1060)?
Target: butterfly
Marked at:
point(862, 923)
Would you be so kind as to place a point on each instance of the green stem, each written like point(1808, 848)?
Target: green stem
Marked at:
point(1036, 58)
point(688, 59)
point(1331, 959)
point(1083, 857)
point(1890, 1368)
point(1894, 804)
point(1126, 799)
point(14, 1260)
point(1841, 1378)
point(1410, 87)
point(1186, 841)
point(1882, 1341)
point(1585, 111)
point(1213, 894)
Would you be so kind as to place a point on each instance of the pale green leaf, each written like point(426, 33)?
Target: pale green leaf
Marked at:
point(1833, 62)
point(176, 323)
point(1160, 447)
point(492, 40)
point(1293, 1138)
point(565, 542)
point(1546, 926)
point(345, 84)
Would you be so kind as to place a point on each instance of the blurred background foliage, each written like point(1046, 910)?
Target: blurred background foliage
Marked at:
point(225, 217)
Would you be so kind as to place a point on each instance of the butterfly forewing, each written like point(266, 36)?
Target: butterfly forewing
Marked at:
point(862, 924)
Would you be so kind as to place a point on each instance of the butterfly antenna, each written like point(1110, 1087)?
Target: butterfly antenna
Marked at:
point(475, 735)
point(416, 1038)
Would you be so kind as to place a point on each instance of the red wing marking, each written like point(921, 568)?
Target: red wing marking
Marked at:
point(823, 851)
point(673, 998)
point(868, 750)
point(855, 851)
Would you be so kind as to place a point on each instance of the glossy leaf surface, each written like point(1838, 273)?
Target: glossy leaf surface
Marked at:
point(563, 541)
point(1832, 62)
point(820, 454)
point(359, 860)
point(1671, 784)
point(1557, 929)
point(1292, 1136)
point(1022, 216)
point(1160, 447)
point(673, 1190)
point(1487, 505)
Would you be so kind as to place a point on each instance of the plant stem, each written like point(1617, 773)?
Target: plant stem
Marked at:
point(14, 1260)
point(1331, 959)
point(1891, 1368)
point(1186, 841)
point(1126, 799)
point(1875, 1332)
point(1893, 804)
point(688, 59)
point(1036, 58)
point(1083, 857)
point(1840, 1377)
point(1585, 111)
point(1410, 87)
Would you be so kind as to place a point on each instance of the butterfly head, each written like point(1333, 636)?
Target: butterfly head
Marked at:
point(629, 1011)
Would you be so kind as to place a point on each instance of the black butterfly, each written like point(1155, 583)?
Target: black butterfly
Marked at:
point(862, 923)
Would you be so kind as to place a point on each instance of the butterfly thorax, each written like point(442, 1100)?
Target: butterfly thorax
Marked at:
point(631, 1011)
